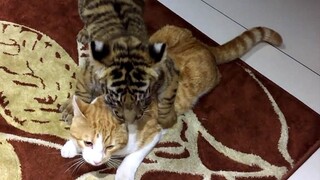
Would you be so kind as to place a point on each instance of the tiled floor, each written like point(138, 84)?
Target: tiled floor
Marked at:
point(295, 66)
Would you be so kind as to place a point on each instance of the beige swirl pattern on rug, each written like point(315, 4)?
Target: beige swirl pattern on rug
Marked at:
point(44, 73)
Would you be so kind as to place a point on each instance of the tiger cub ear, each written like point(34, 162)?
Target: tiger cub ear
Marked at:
point(157, 51)
point(78, 106)
point(99, 50)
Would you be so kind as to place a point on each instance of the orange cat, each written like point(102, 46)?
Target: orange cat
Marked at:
point(197, 62)
point(99, 136)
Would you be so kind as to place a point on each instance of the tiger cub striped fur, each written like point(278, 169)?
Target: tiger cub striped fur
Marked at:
point(133, 71)
point(110, 19)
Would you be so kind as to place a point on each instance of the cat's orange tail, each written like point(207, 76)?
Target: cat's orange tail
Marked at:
point(244, 42)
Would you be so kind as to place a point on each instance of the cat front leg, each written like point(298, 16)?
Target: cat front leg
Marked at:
point(69, 150)
point(130, 164)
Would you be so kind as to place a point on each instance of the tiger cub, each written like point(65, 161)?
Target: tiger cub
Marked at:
point(134, 70)
point(99, 137)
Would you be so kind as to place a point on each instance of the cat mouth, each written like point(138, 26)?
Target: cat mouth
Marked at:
point(96, 163)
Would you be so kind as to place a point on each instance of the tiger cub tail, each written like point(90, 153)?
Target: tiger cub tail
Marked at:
point(244, 42)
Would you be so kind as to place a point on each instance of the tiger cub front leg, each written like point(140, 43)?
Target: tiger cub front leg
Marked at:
point(83, 54)
point(82, 90)
point(66, 111)
point(166, 98)
point(167, 114)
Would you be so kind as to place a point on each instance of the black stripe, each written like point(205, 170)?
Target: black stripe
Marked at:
point(99, 15)
point(131, 56)
point(170, 99)
point(166, 106)
point(171, 67)
point(138, 75)
point(116, 74)
point(139, 84)
point(120, 91)
point(125, 3)
point(127, 66)
point(105, 29)
point(104, 18)
point(136, 91)
point(128, 12)
point(95, 4)
point(130, 22)
point(119, 83)
point(119, 47)
point(161, 114)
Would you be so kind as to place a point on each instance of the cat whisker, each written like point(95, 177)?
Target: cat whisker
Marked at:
point(74, 160)
point(75, 164)
point(78, 166)
point(114, 162)
point(71, 166)
point(117, 160)
point(109, 164)
point(101, 170)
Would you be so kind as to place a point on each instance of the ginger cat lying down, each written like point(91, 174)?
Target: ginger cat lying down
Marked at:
point(98, 136)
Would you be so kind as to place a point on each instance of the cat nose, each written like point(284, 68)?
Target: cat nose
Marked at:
point(97, 163)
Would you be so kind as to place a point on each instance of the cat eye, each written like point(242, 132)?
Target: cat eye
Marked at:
point(88, 143)
point(110, 147)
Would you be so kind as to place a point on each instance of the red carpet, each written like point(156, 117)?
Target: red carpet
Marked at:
point(246, 128)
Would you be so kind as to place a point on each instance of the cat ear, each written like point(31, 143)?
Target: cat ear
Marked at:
point(99, 50)
point(157, 51)
point(78, 106)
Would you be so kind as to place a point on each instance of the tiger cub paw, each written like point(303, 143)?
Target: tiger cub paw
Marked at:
point(67, 111)
point(83, 36)
point(69, 150)
point(168, 120)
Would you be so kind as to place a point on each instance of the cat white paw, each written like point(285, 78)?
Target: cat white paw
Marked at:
point(124, 174)
point(69, 150)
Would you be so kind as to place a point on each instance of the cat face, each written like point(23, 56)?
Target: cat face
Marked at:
point(96, 132)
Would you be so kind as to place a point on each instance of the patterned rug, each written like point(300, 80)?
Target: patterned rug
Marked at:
point(246, 128)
